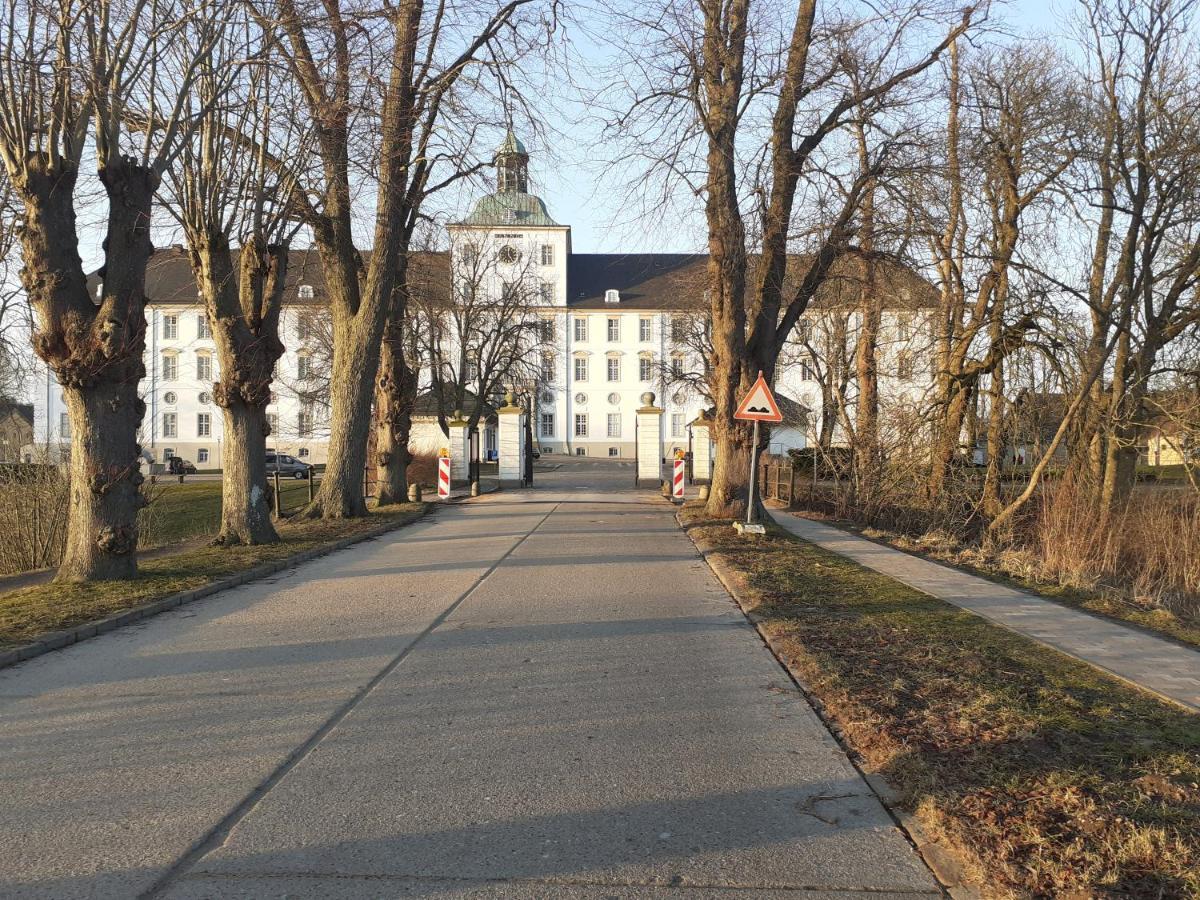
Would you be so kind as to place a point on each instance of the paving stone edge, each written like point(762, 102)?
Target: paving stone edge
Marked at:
point(56, 640)
point(941, 861)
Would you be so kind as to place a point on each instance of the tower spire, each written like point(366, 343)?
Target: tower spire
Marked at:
point(512, 165)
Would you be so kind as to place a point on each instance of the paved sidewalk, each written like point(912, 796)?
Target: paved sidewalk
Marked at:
point(535, 694)
point(1160, 666)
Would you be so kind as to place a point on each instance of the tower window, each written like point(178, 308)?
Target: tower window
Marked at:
point(612, 296)
point(547, 254)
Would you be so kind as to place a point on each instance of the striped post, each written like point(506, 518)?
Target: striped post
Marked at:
point(677, 478)
point(444, 478)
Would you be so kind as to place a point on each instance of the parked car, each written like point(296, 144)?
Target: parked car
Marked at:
point(287, 466)
point(177, 465)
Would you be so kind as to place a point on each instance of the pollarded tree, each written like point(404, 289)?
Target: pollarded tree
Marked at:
point(226, 190)
point(107, 77)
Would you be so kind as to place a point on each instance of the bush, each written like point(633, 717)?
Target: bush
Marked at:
point(33, 517)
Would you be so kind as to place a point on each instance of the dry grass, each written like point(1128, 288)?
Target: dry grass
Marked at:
point(1140, 565)
point(29, 613)
point(1049, 778)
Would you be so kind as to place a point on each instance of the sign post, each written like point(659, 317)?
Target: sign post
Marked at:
point(758, 406)
point(677, 475)
point(444, 474)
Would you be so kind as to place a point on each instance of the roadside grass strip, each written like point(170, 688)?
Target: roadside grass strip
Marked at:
point(1043, 776)
point(1109, 604)
point(30, 613)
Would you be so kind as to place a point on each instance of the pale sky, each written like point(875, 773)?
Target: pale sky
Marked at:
point(575, 194)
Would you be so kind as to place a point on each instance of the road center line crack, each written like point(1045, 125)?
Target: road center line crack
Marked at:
point(217, 835)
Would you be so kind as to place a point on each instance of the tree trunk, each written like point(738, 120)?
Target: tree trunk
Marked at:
point(245, 498)
point(244, 315)
point(95, 350)
point(395, 394)
point(992, 503)
point(355, 363)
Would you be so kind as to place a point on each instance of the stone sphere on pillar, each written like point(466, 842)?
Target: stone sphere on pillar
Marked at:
point(648, 398)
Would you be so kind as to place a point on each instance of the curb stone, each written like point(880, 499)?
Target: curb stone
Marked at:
point(942, 862)
point(56, 640)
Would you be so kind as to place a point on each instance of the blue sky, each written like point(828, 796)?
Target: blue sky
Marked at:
point(596, 209)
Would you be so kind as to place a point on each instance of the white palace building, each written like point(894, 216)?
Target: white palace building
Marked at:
point(615, 327)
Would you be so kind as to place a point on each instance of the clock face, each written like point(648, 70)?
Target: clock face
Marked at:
point(509, 254)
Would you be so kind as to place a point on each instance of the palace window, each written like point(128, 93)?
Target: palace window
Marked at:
point(170, 327)
point(547, 425)
point(548, 368)
point(170, 423)
point(614, 329)
point(645, 329)
point(202, 455)
point(305, 292)
point(273, 422)
point(807, 372)
point(546, 292)
point(547, 254)
point(904, 366)
point(614, 425)
point(64, 426)
point(547, 329)
point(304, 422)
point(581, 330)
point(581, 368)
point(304, 327)
point(581, 425)
point(645, 369)
point(203, 367)
point(170, 367)
point(203, 329)
point(678, 329)
point(203, 425)
point(303, 367)
point(676, 424)
point(676, 365)
point(614, 369)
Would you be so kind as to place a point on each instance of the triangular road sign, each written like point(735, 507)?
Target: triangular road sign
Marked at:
point(759, 405)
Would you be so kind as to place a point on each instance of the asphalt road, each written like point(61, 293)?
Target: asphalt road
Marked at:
point(541, 693)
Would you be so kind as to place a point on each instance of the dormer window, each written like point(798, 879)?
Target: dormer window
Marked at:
point(305, 292)
point(612, 296)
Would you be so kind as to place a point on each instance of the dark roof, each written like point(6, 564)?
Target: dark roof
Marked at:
point(169, 276)
point(678, 281)
point(793, 413)
point(426, 404)
point(17, 410)
point(652, 281)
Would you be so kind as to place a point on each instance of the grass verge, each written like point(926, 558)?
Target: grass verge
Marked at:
point(1109, 605)
point(1046, 777)
point(30, 613)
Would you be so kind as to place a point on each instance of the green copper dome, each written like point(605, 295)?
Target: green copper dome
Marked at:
point(509, 208)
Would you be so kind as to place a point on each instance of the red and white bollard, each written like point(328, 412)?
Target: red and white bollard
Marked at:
point(443, 477)
point(677, 479)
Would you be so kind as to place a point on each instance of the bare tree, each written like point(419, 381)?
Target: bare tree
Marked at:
point(394, 126)
point(717, 61)
point(225, 191)
point(484, 332)
point(78, 77)
point(1144, 174)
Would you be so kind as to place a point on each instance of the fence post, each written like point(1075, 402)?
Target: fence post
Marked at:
point(311, 489)
point(277, 500)
point(792, 486)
